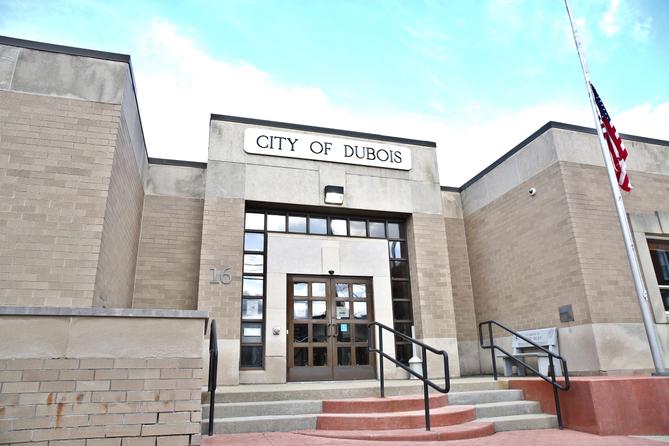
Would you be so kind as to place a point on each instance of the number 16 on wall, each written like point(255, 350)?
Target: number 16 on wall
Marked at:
point(223, 277)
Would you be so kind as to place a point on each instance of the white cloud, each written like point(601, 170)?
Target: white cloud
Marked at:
point(436, 106)
point(533, 72)
point(641, 30)
point(644, 120)
point(427, 41)
point(424, 33)
point(179, 85)
point(506, 12)
point(466, 150)
point(609, 23)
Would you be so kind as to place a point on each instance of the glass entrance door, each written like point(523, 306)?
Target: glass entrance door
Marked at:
point(327, 328)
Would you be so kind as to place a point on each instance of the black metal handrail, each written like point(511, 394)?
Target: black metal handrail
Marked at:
point(213, 373)
point(550, 379)
point(423, 377)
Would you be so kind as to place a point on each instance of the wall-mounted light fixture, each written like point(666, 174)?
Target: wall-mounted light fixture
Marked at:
point(334, 194)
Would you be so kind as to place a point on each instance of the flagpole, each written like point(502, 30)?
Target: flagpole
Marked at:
point(642, 294)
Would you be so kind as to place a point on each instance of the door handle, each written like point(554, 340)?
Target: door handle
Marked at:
point(333, 330)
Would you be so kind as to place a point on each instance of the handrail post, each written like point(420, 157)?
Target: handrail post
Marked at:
point(423, 377)
point(213, 374)
point(552, 375)
point(383, 390)
point(551, 372)
point(212, 404)
point(426, 395)
point(492, 352)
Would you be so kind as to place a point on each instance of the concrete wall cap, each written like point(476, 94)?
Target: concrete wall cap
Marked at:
point(103, 312)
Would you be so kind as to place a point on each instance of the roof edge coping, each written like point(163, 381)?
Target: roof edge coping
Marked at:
point(327, 130)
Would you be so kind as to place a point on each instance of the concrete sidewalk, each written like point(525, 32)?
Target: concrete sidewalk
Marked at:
point(545, 437)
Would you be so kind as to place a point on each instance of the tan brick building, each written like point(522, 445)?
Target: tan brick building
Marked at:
point(293, 238)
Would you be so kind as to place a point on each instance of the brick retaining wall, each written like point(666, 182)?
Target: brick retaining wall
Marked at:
point(129, 392)
point(94, 401)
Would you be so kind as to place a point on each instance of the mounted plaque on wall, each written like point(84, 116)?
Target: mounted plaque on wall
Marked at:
point(326, 148)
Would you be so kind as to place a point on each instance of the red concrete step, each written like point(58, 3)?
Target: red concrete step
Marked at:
point(441, 416)
point(389, 404)
point(473, 429)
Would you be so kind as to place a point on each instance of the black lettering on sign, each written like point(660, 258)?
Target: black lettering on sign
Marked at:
point(325, 147)
point(316, 147)
point(258, 142)
point(278, 144)
point(358, 151)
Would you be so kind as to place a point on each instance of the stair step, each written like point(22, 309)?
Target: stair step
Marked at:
point(442, 416)
point(507, 408)
point(472, 429)
point(389, 404)
point(484, 396)
point(355, 411)
point(522, 422)
point(339, 390)
point(264, 408)
point(272, 423)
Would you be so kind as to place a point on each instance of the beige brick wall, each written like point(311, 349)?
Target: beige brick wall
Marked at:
point(94, 401)
point(523, 256)
point(602, 255)
point(222, 245)
point(55, 164)
point(430, 277)
point(168, 261)
point(463, 297)
point(120, 235)
point(650, 193)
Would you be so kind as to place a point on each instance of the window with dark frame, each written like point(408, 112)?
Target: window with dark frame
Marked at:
point(659, 253)
point(252, 336)
point(258, 223)
point(400, 287)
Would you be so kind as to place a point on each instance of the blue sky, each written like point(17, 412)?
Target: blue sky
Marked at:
point(476, 76)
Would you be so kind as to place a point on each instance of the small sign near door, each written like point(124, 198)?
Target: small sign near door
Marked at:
point(342, 312)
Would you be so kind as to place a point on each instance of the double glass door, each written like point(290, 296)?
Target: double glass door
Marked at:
point(327, 328)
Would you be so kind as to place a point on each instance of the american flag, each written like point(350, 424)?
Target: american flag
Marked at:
point(615, 143)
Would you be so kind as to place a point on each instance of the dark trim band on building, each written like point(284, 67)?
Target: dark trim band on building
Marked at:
point(628, 137)
point(450, 189)
point(170, 162)
point(326, 130)
point(549, 125)
point(61, 49)
point(348, 212)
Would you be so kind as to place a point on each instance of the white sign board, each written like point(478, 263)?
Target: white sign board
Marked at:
point(326, 148)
